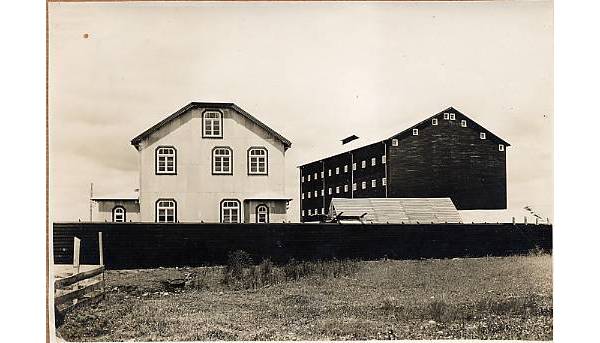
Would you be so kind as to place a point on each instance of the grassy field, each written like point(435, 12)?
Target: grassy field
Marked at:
point(474, 298)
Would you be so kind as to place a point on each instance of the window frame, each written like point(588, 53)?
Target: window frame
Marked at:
point(446, 115)
point(500, 147)
point(239, 208)
point(363, 185)
point(258, 213)
point(384, 181)
point(434, 121)
point(220, 120)
point(213, 161)
point(114, 210)
point(383, 159)
point(157, 209)
point(156, 156)
point(249, 161)
point(395, 142)
point(373, 161)
point(463, 123)
point(482, 135)
point(415, 132)
point(452, 116)
point(373, 183)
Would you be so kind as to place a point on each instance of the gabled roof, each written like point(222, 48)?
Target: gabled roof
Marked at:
point(192, 105)
point(396, 210)
point(452, 110)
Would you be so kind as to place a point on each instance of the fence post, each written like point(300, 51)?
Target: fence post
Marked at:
point(525, 220)
point(76, 249)
point(100, 248)
point(537, 221)
point(514, 221)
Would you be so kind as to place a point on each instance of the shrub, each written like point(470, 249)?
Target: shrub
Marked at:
point(237, 262)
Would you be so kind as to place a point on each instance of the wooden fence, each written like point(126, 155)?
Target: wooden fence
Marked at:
point(148, 245)
point(79, 289)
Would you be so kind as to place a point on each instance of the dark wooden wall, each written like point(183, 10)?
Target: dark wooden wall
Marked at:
point(145, 245)
point(448, 160)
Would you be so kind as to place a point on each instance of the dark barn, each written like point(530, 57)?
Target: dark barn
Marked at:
point(445, 155)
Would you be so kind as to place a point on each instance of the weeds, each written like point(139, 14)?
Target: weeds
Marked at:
point(241, 274)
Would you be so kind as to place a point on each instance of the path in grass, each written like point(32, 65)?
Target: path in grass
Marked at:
point(483, 298)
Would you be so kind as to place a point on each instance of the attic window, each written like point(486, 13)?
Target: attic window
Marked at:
point(463, 123)
point(394, 142)
point(500, 147)
point(415, 132)
point(212, 122)
point(434, 121)
point(446, 115)
point(482, 135)
point(452, 116)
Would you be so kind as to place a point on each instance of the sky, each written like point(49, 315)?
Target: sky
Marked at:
point(314, 72)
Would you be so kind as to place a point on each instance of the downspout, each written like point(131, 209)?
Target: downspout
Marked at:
point(323, 182)
point(385, 168)
point(352, 174)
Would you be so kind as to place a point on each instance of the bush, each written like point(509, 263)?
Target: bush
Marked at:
point(237, 262)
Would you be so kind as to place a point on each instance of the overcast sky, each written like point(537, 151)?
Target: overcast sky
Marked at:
point(314, 72)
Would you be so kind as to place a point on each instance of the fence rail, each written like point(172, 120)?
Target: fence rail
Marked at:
point(78, 289)
point(148, 245)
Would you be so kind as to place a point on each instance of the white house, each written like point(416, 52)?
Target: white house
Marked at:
point(210, 162)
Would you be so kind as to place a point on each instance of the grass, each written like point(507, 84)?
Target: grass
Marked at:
point(478, 298)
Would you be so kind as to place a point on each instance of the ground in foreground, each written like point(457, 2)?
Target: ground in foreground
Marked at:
point(472, 298)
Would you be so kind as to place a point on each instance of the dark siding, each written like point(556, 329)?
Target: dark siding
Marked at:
point(145, 245)
point(370, 172)
point(448, 160)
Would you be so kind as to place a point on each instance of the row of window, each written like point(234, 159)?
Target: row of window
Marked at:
point(313, 211)
point(338, 189)
point(434, 122)
point(222, 161)
point(363, 165)
point(166, 212)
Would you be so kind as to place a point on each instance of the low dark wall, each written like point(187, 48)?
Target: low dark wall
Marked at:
point(145, 245)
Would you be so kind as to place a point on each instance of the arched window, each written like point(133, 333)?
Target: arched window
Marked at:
point(262, 213)
point(230, 211)
point(166, 160)
point(258, 161)
point(212, 124)
point(222, 161)
point(166, 211)
point(119, 215)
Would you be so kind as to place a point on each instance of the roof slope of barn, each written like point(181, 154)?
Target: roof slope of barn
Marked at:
point(397, 210)
point(192, 105)
point(427, 122)
point(408, 132)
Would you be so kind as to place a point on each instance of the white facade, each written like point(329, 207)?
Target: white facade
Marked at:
point(194, 186)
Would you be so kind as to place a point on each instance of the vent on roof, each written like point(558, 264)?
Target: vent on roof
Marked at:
point(349, 139)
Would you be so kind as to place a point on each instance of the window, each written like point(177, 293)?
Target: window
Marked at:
point(383, 181)
point(262, 214)
point(373, 161)
point(373, 183)
point(434, 121)
point(383, 159)
point(322, 210)
point(302, 213)
point(452, 116)
point(482, 135)
point(222, 161)
point(346, 168)
point(329, 172)
point(308, 177)
point(329, 191)
point(354, 186)
point(302, 178)
point(213, 124)
point(230, 211)
point(345, 188)
point(316, 176)
point(322, 174)
point(166, 211)
point(500, 147)
point(394, 142)
point(309, 211)
point(446, 115)
point(337, 190)
point(463, 123)
point(316, 194)
point(258, 160)
point(415, 132)
point(166, 160)
point(354, 166)
point(302, 196)
point(309, 195)
point(363, 164)
point(364, 185)
point(322, 192)
point(119, 214)
point(337, 170)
